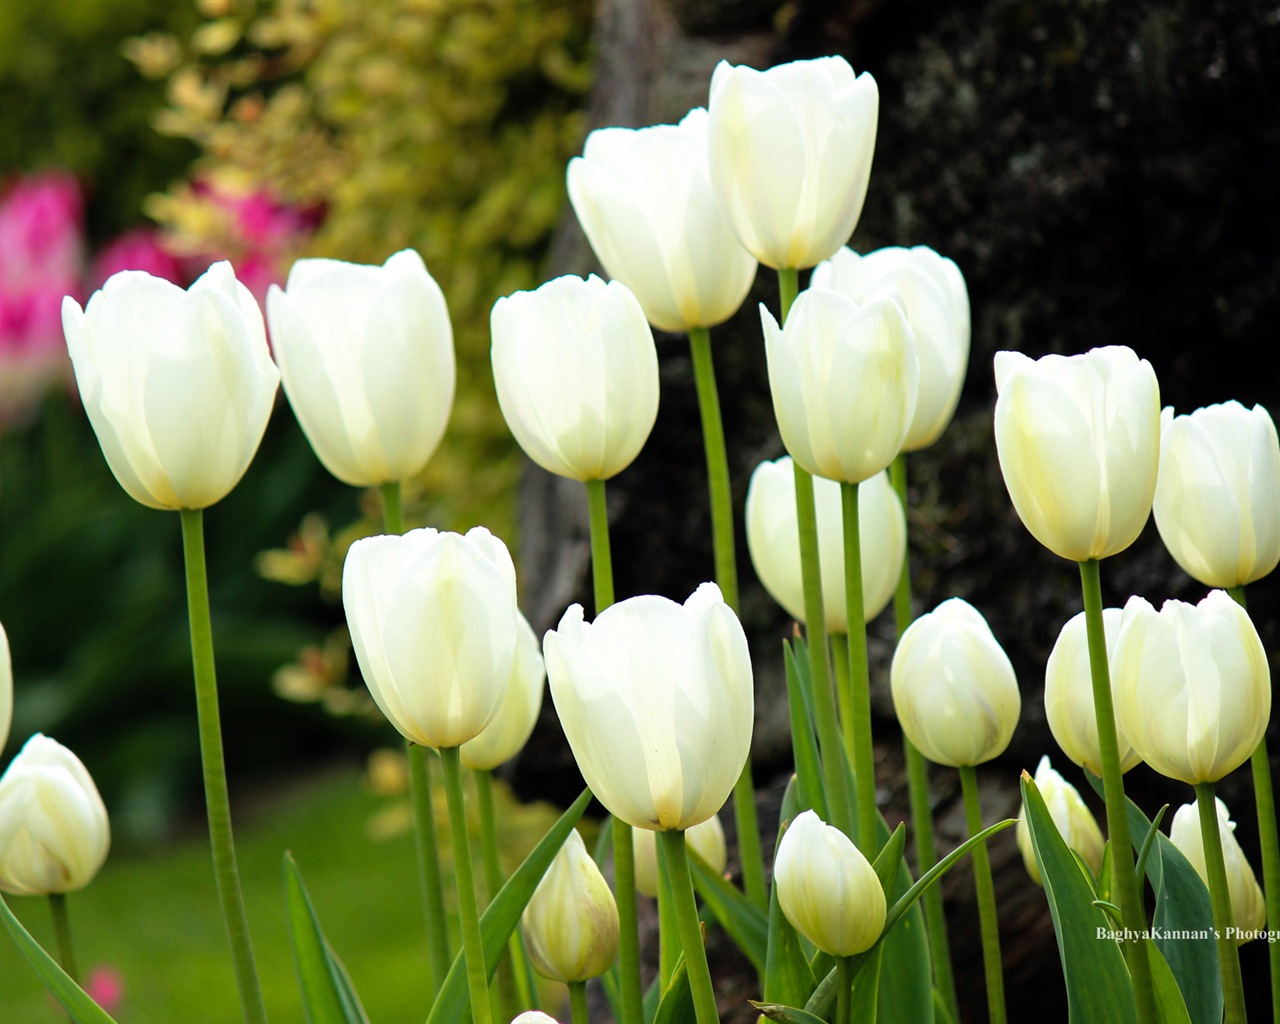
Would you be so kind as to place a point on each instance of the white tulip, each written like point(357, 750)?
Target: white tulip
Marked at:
point(571, 921)
point(1248, 909)
point(1073, 819)
point(705, 839)
point(509, 730)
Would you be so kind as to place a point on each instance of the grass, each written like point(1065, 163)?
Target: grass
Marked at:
point(153, 918)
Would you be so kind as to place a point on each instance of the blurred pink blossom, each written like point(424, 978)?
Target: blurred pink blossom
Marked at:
point(139, 249)
point(105, 987)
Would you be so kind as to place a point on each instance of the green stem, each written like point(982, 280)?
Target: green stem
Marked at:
point(1265, 801)
point(726, 562)
point(468, 911)
point(695, 953)
point(668, 926)
point(788, 289)
point(392, 511)
point(986, 899)
point(918, 787)
point(864, 757)
point(578, 1002)
point(429, 875)
point(505, 977)
point(62, 933)
point(824, 701)
point(601, 559)
point(1128, 894)
point(217, 802)
point(844, 989)
point(1220, 897)
point(840, 664)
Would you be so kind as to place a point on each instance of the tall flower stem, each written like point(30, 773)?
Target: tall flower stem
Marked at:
point(986, 899)
point(695, 953)
point(1128, 894)
point(864, 759)
point(1220, 897)
point(62, 933)
point(918, 786)
point(631, 1010)
point(844, 989)
point(1265, 801)
point(468, 910)
point(726, 561)
point(423, 807)
point(578, 1002)
point(217, 802)
point(508, 1002)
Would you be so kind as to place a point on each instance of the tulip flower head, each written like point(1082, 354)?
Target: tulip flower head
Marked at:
point(932, 293)
point(1078, 439)
point(657, 704)
point(827, 889)
point(366, 355)
point(1075, 822)
point(645, 200)
point(433, 622)
point(509, 730)
point(954, 688)
point(1248, 910)
point(178, 385)
point(577, 375)
point(1192, 686)
point(571, 921)
point(1217, 502)
point(773, 539)
point(533, 1017)
point(54, 833)
point(1068, 695)
point(705, 839)
point(844, 378)
point(790, 152)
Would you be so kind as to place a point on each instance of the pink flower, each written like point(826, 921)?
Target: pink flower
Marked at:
point(105, 987)
point(139, 249)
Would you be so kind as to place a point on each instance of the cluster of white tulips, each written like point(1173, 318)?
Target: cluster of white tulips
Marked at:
point(655, 697)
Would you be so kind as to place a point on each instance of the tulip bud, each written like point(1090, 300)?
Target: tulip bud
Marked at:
point(706, 839)
point(571, 922)
point(954, 689)
point(533, 1017)
point(577, 375)
point(1078, 439)
point(1068, 695)
point(1075, 823)
point(773, 538)
point(844, 379)
point(54, 833)
point(366, 355)
point(1248, 911)
point(508, 732)
point(433, 623)
point(827, 889)
point(178, 385)
point(932, 293)
point(790, 152)
point(657, 704)
point(6, 689)
point(1217, 502)
point(645, 200)
point(1192, 686)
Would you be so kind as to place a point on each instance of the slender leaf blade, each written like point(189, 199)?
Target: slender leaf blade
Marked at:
point(742, 919)
point(328, 996)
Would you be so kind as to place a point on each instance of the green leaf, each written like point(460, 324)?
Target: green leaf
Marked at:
point(865, 1008)
point(503, 913)
point(676, 1006)
point(742, 919)
point(888, 862)
point(70, 996)
point(328, 996)
point(784, 1014)
point(1098, 986)
point(1145, 852)
point(940, 1011)
point(1170, 1006)
point(788, 982)
point(803, 742)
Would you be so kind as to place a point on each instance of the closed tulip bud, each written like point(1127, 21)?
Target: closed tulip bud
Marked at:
point(773, 538)
point(1074, 821)
point(791, 153)
point(6, 689)
point(178, 385)
point(1248, 910)
point(366, 354)
point(533, 1017)
point(1192, 686)
point(433, 623)
point(932, 293)
point(844, 379)
point(954, 689)
point(657, 704)
point(706, 839)
point(1068, 695)
point(645, 200)
point(1079, 444)
point(827, 889)
point(571, 922)
point(508, 732)
point(577, 375)
point(1217, 502)
point(54, 833)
